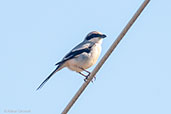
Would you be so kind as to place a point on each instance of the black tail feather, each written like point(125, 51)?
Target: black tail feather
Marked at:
point(42, 84)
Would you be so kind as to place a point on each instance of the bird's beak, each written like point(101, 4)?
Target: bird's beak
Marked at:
point(103, 36)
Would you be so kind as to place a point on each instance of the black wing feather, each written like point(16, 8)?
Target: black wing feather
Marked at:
point(73, 54)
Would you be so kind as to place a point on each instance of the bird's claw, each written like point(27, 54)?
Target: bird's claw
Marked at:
point(87, 79)
point(94, 78)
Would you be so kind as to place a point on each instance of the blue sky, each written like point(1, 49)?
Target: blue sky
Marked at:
point(34, 35)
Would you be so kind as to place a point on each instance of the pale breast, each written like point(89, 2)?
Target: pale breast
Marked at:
point(95, 53)
point(92, 57)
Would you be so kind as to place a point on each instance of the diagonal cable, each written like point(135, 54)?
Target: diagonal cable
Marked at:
point(110, 50)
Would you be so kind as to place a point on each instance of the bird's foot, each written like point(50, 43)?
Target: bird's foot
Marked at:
point(87, 78)
point(94, 78)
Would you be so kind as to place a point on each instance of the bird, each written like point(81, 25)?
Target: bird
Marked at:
point(81, 57)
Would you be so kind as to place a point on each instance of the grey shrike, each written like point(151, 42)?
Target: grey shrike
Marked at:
point(82, 57)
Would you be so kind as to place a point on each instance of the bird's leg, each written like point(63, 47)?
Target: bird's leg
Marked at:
point(87, 71)
point(82, 74)
point(87, 75)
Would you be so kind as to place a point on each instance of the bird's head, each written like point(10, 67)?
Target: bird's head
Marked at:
point(95, 37)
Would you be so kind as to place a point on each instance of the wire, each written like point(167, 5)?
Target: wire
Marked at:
point(110, 50)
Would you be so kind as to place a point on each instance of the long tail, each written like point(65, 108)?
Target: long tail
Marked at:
point(42, 84)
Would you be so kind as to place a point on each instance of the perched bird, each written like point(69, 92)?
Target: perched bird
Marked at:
point(82, 57)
